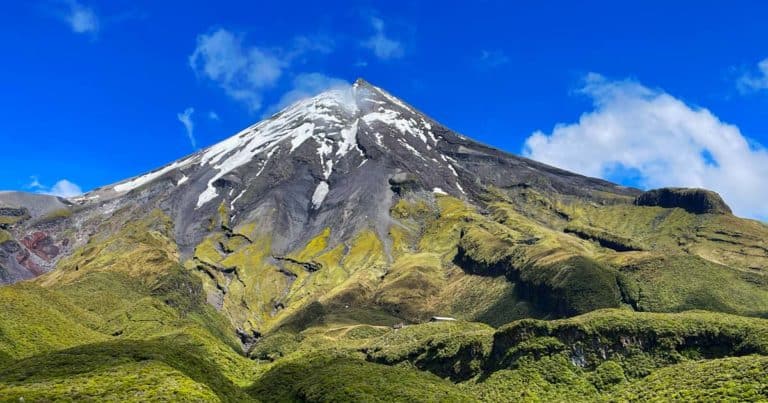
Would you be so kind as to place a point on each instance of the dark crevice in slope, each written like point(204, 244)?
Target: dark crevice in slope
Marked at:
point(310, 266)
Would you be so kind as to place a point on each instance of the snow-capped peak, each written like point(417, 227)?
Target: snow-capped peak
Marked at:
point(330, 119)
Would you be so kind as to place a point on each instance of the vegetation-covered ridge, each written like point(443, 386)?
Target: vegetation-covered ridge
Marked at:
point(556, 298)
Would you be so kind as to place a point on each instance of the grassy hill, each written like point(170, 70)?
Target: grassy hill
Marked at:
point(557, 299)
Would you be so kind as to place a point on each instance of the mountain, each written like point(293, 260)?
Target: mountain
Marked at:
point(302, 259)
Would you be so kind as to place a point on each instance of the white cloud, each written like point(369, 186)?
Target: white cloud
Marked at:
point(81, 19)
point(660, 138)
point(212, 115)
point(34, 184)
point(186, 119)
point(243, 72)
point(62, 188)
point(383, 47)
point(306, 85)
point(65, 188)
point(247, 72)
point(751, 81)
point(493, 58)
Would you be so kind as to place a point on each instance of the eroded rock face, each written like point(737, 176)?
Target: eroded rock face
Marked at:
point(41, 244)
point(696, 201)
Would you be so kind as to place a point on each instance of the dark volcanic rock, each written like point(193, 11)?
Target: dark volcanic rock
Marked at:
point(696, 201)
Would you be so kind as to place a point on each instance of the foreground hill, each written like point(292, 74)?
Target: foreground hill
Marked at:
point(301, 258)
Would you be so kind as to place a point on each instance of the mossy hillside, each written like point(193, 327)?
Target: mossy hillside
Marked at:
point(352, 337)
point(550, 275)
point(442, 234)
point(95, 301)
point(64, 359)
point(534, 255)
point(252, 285)
point(491, 300)
point(438, 233)
point(677, 283)
point(455, 350)
point(605, 239)
point(413, 214)
point(641, 342)
point(54, 354)
point(260, 292)
point(36, 320)
point(132, 381)
point(546, 379)
point(731, 241)
point(140, 248)
point(345, 289)
point(728, 379)
point(5, 236)
point(595, 357)
point(412, 286)
point(723, 239)
point(130, 309)
point(339, 377)
point(65, 370)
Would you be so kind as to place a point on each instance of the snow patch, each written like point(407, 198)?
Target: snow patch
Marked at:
point(142, 180)
point(460, 188)
point(453, 170)
point(232, 204)
point(439, 191)
point(320, 192)
point(301, 134)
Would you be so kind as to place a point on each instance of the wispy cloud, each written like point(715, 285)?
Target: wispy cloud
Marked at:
point(243, 72)
point(493, 58)
point(751, 81)
point(186, 119)
point(81, 18)
point(212, 115)
point(382, 46)
point(34, 184)
point(306, 85)
point(659, 139)
point(62, 188)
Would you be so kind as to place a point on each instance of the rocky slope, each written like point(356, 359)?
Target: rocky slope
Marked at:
point(304, 238)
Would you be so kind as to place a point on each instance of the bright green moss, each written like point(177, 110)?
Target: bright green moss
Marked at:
point(729, 379)
point(35, 320)
point(681, 282)
point(314, 246)
point(411, 286)
point(341, 377)
point(133, 381)
point(456, 350)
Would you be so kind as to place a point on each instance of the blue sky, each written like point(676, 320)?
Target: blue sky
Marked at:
point(648, 94)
